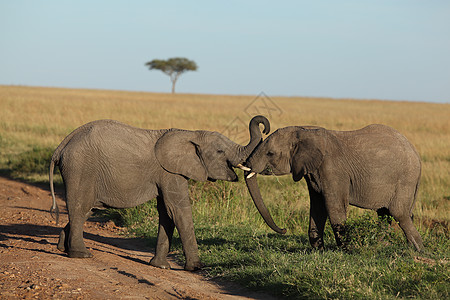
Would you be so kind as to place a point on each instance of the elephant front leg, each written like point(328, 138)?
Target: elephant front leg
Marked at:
point(339, 234)
point(164, 239)
point(185, 227)
point(337, 212)
point(317, 220)
point(178, 206)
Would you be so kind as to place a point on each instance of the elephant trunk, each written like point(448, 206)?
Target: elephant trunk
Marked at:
point(255, 139)
point(253, 188)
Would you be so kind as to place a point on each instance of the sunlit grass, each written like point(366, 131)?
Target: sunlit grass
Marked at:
point(41, 117)
point(234, 240)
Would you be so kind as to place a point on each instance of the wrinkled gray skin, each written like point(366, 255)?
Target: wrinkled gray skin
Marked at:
point(374, 168)
point(109, 164)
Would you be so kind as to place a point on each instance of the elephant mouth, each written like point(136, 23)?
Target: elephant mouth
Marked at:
point(234, 177)
point(268, 170)
point(229, 175)
point(250, 172)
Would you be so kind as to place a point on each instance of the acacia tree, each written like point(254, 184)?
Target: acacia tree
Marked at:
point(173, 67)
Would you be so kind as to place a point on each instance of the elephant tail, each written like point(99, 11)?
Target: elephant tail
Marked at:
point(416, 193)
point(54, 209)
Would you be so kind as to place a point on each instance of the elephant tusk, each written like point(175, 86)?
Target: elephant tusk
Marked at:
point(240, 166)
point(250, 175)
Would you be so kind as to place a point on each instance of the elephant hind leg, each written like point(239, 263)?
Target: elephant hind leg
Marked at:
point(75, 247)
point(413, 236)
point(401, 210)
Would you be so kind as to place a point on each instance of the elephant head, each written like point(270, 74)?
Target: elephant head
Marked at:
point(205, 155)
point(295, 150)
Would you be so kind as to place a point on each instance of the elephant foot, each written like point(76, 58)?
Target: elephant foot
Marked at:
point(160, 263)
point(316, 243)
point(318, 248)
point(79, 254)
point(339, 235)
point(62, 243)
point(61, 247)
point(192, 267)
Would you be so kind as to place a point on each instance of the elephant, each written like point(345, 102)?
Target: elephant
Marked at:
point(106, 163)
point(375, 167)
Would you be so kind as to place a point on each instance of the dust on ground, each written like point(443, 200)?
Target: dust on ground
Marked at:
point(32, 268)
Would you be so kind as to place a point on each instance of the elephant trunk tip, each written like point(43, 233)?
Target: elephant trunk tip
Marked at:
point(252, 185)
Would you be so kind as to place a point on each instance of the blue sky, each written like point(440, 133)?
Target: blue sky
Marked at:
point(394, 50)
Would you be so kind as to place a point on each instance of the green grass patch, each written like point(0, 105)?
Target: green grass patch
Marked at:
point(29, 164)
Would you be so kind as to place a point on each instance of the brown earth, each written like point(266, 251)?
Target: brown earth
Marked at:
point(32, 268)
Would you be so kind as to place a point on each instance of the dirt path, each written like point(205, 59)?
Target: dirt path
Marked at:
point(32, 268)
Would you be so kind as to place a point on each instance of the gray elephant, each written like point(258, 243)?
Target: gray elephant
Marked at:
point(109, 164)
point(375, 168)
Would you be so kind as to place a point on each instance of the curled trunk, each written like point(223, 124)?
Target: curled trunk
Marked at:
point(255, 139)
point(255, 133)
point(253, 188)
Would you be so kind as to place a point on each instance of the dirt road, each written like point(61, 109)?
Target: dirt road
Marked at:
point(32, 268)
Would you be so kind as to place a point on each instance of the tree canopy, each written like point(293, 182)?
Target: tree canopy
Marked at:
point(173, 67)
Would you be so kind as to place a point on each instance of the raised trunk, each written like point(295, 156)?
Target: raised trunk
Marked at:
point(253, 188)
point(255, 138)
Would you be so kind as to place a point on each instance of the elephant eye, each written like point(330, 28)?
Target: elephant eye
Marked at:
point(270, 153)
point(220, 151)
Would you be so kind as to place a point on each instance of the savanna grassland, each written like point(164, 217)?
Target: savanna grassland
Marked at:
point(234, 242)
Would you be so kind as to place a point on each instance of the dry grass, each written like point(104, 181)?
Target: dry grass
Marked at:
point(32, 116)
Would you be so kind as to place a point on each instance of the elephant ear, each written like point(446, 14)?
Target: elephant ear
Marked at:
point(306, 158)
point(177, 153)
